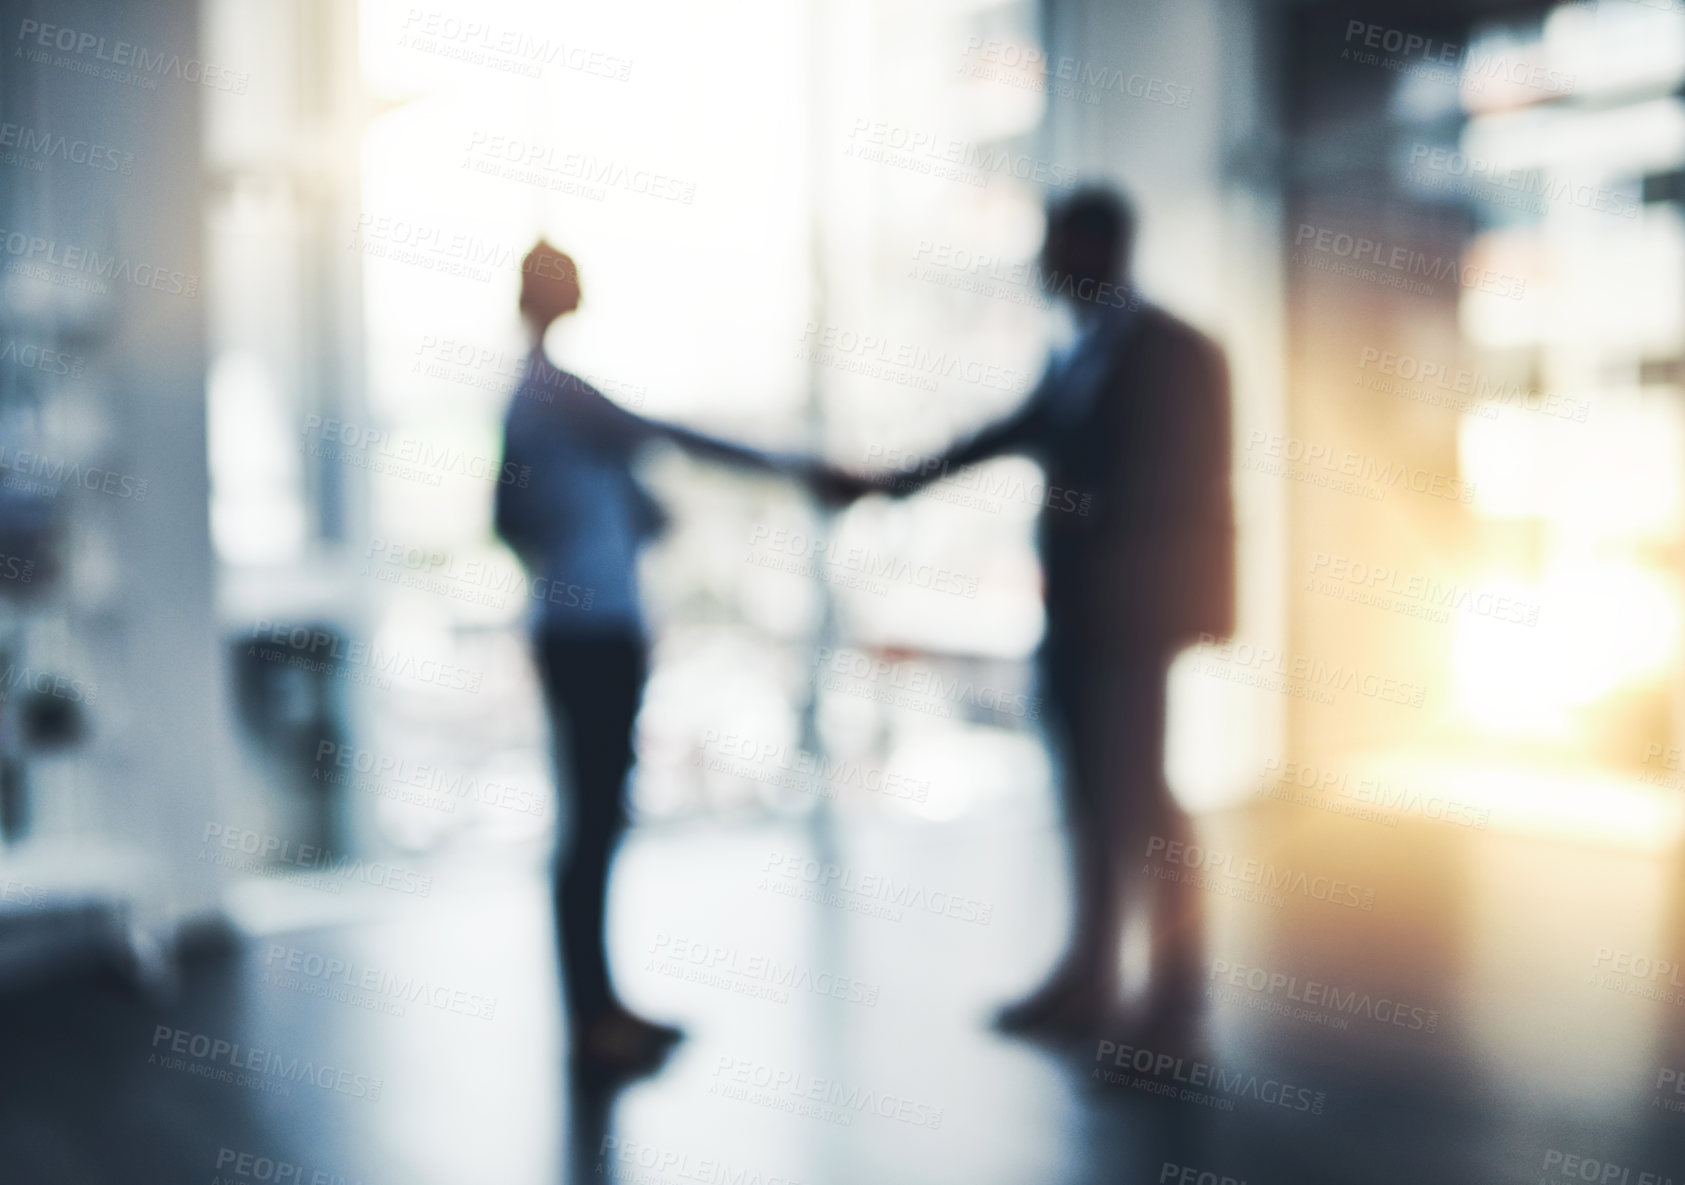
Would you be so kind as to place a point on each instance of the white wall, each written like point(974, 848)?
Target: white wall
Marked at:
point(134, 602)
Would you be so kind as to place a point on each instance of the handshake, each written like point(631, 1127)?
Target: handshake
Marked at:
point(836, 488)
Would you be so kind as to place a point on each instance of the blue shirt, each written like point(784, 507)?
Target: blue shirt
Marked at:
point(580, 518)
point(1076, 374)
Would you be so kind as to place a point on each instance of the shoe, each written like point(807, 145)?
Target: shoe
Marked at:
point(1164, 1026)
point(1063, 1007)
point(617, 1043)
point(666, 1035)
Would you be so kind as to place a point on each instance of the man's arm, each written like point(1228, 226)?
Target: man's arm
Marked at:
point(1023, 429)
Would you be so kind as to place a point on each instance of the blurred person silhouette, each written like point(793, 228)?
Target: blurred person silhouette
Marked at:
point(577, 523)
point(1131, 418)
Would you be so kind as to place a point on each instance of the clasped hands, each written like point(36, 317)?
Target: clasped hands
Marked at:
point(836, 488)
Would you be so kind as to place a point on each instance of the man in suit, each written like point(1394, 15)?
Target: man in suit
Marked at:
point(1132, 416)
point(578, 520)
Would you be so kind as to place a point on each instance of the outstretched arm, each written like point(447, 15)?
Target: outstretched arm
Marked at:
point(726, 452)
point(1022, 429)
point(610, 421)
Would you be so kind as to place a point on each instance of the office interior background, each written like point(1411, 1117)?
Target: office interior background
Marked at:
point(268, 703)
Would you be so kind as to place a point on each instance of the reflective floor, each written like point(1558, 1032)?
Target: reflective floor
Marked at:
point(1484, 1021)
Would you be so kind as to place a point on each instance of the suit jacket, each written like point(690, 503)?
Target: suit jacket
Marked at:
point(1150, 565)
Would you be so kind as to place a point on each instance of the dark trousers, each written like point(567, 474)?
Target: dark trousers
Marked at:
point(592, 685)
point(1108, 709)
